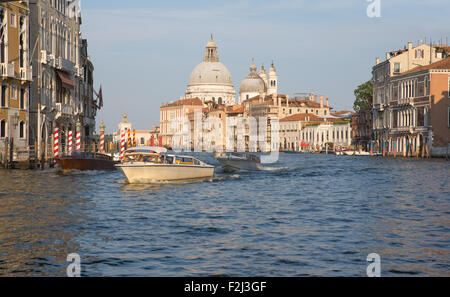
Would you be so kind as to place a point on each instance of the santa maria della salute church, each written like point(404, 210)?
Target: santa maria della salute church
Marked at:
point(211, 81)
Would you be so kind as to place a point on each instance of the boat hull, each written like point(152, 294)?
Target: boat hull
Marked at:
point(74, 163)
point(149, 173)
point(231, 165)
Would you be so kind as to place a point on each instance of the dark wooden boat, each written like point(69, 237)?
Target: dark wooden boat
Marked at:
point(87, 161)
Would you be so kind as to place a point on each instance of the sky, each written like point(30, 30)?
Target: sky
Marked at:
point(144, 51)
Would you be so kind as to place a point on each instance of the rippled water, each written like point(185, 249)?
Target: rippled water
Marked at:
point(307, 215)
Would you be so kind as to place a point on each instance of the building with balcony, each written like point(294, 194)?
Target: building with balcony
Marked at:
point(402, 99)
point(420, 111)
point(62, 93)
point(15, 79)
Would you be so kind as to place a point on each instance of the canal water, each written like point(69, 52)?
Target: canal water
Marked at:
point(306, 215)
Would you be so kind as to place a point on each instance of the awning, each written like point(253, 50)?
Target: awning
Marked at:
point(66, 80)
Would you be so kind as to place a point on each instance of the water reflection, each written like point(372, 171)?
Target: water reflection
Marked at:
point(308, 215)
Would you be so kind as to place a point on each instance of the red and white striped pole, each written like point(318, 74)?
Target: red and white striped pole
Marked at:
point(102, 138)
point(129, 139)
point(122, 145)
point(78, 140)
point(70, 142)
point(56, 145)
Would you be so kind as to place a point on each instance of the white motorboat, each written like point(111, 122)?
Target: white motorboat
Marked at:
point(148, 165)
point(239, 161)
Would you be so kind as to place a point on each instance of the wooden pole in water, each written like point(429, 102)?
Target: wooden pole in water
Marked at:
point(102, 137)
point(56, 145)
point(122, 145)
point(70, 141)
point(395, 148)
point(78, 140)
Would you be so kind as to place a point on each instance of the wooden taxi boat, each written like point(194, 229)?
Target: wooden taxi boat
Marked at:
point(87, 161)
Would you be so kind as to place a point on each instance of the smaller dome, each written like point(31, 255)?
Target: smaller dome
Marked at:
point(253, 83)
point(211, 43)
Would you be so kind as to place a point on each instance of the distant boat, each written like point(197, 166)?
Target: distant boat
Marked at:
point(239, 161)
point(151, 164)
point(87, 161)
point(291, 152)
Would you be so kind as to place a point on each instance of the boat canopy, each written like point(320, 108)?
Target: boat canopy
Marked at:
point(147, 149)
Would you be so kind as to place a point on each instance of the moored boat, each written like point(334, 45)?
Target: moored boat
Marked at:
point(87, 161)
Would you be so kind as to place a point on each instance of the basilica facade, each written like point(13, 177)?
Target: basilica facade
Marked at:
point(211, 81)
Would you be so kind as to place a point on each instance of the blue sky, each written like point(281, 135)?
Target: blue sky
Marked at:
point(144, 51)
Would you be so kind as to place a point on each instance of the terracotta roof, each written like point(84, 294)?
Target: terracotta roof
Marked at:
point(342, 112)
point(301, 117)
point(238, 108)
point(293, 102)
point(190, 101)
point(443, 64)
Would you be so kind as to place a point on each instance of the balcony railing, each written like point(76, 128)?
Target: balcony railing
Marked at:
point(65, 64)
point(26, 73)
point(7, 70)
point(63, 110)
point(406, 101)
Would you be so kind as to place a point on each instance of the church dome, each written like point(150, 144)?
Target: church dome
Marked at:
point(210, 73)
point(253, 83)
point(210, 80)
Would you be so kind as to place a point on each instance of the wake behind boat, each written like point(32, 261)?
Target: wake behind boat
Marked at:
point(239, 161)
point(152, 164)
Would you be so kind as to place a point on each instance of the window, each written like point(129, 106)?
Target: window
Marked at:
point(397, 68)
point(13, 92)
point(419, 54)
point(22, 99)
point(3, 97)
point(22, 130)
point(142, 140)
point(3, 129)
point(13, 20)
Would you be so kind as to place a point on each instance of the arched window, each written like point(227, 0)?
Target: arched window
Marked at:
point(22, 130)
point(3, 129)
point(220, 100)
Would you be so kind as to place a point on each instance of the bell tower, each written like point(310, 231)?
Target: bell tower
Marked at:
point(272, 86)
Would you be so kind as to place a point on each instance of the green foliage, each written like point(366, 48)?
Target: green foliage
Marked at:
point(364, 96)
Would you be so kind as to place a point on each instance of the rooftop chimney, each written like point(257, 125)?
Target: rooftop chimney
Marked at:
point(327, 102)
point(409, 45)
point(317, 98)
point(321, 101)
point(377, 61)
point(287, 100)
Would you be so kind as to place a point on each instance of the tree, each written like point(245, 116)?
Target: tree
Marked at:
point(364, 96)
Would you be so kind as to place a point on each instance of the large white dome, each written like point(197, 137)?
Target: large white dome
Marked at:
point(210, 73)
point(210, 80)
